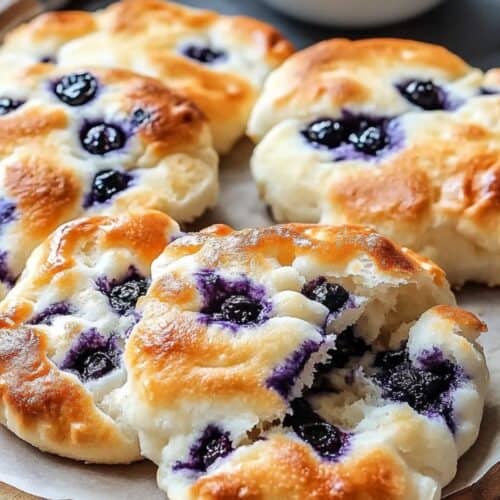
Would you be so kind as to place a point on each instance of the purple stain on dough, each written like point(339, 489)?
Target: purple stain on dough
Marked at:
point(46, 316)
point(123, 294)
point(426, 385)
point(7, 211)
point(327, 440)
point(213, 444)
point(284, 376)
point(92, 356)
point(354, 136)
point(232, 302)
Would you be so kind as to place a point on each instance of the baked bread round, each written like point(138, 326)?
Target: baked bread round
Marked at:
point(75, 142)
point(240, 330)
point(399, 135)
point(63, 330)
point(219, 62)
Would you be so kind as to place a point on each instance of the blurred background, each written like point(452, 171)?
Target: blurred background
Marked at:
point(469, 27)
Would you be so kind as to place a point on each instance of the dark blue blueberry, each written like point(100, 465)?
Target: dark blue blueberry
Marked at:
point(488, 91)
point(425, 387)
point(331, 295)
point(212, 445)
point(236, 302)
point(48, 59)
point(326, 132)
point(46, 316)
point(326, 439)
point(240, 309)
point(203, 54)
point(369, 140)
point(123, 295)
point(347, 346)
point(139, 117)
point(423, 93)
point(92, 356)
point(350, 135)
point(76, 89)
point(101, 138)
point(7, 105)
point(106, 184)
point(284, 376)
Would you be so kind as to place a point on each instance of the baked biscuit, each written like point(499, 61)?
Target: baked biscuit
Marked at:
point(85, 141)
point(237, 328)
point(219, 62)
point(63, 330)
point(399, 135)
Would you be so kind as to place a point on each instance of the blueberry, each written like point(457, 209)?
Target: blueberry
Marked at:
point(7, 105)
point(124, 297)
point(331, 295)
point(102, 138)
point(420, 387)
point(107, 183)
point(205, 55)
point(369, 140)
point(347, 346)
point(92, 356)
point(76, 89)
point(213, 444)
point(240, 309)
point(216, 447)
point(48, 60)
point(94, 365)
point(326, 439)
point(325, 132)
point(423, 93)
point(139, 117)
point(323, 437)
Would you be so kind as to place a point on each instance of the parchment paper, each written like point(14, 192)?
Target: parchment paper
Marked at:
point(27, 469)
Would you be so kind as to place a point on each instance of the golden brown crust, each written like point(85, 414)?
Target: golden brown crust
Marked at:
point(305, 71)
point(133, 16)
point(43, 404)
point(461, 317)
point(146, 35)
point(269, 40)
point(389, 191)
point(284, 468)
point(62, 26)
point(336, 245)
point(46, 195)
point(32, 124)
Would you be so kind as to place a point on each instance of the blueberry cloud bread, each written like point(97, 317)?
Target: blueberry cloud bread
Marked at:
point(63, 332)
point(301, 361)
point(77, 142)
point(395, 134)
point(219, 62)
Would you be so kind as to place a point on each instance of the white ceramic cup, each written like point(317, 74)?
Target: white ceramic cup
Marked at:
point(353, 13)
